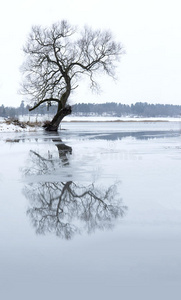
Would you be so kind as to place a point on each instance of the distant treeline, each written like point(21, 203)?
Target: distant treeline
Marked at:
point(110, 109)
point(138, 109)
point(12, 112)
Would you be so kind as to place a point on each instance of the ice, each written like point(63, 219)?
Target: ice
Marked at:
point(127, 245)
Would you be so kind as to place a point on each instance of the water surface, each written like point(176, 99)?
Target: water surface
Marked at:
point(91, 211)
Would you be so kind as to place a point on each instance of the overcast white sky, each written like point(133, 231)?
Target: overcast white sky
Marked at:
point(150, 31)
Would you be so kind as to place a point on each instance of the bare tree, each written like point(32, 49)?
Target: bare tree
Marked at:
point(57, 57)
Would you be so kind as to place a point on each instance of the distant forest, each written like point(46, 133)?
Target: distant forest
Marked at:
point(139, 109)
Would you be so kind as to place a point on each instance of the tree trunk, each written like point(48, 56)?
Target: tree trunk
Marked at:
point(63, 109)
point(54, 124)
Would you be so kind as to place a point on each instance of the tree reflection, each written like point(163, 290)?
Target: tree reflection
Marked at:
point(46, 164)
point(69, 208)
point(63, 151)
point(66, 208)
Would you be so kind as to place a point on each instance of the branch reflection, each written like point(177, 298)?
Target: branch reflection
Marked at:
point(47, 163)
point(66, 208)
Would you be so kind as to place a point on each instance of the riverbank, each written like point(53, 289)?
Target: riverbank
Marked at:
point(34, 123)
point(15, 125)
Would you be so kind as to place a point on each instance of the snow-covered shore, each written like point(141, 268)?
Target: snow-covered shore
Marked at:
point(73, 118)
point(12, 127)
point(34, 123)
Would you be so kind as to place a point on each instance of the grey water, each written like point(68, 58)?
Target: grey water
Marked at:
point(92, 212)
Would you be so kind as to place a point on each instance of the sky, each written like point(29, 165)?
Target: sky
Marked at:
point(150, 31)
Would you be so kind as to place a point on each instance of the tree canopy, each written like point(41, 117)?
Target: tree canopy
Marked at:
point(57, 57)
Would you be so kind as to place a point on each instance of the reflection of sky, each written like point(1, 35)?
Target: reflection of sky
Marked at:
point(137, 135)
point(143, 247)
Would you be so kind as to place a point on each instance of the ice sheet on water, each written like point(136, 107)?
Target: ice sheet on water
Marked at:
point(137, 172)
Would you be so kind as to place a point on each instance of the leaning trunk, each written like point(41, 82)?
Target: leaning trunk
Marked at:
point(63, 109)
point(54, 124)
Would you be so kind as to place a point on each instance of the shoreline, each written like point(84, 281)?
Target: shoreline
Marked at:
point(35, 124)
point(116, 121)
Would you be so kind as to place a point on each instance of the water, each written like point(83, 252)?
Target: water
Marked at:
point(92, 212)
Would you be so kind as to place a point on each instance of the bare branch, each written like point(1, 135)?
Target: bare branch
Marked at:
point(57, 58)
point(43, 101)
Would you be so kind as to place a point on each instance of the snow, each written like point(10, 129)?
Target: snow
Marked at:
point(14, 128)
point(73, 118)
point(10, 127)
point(4, 127)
